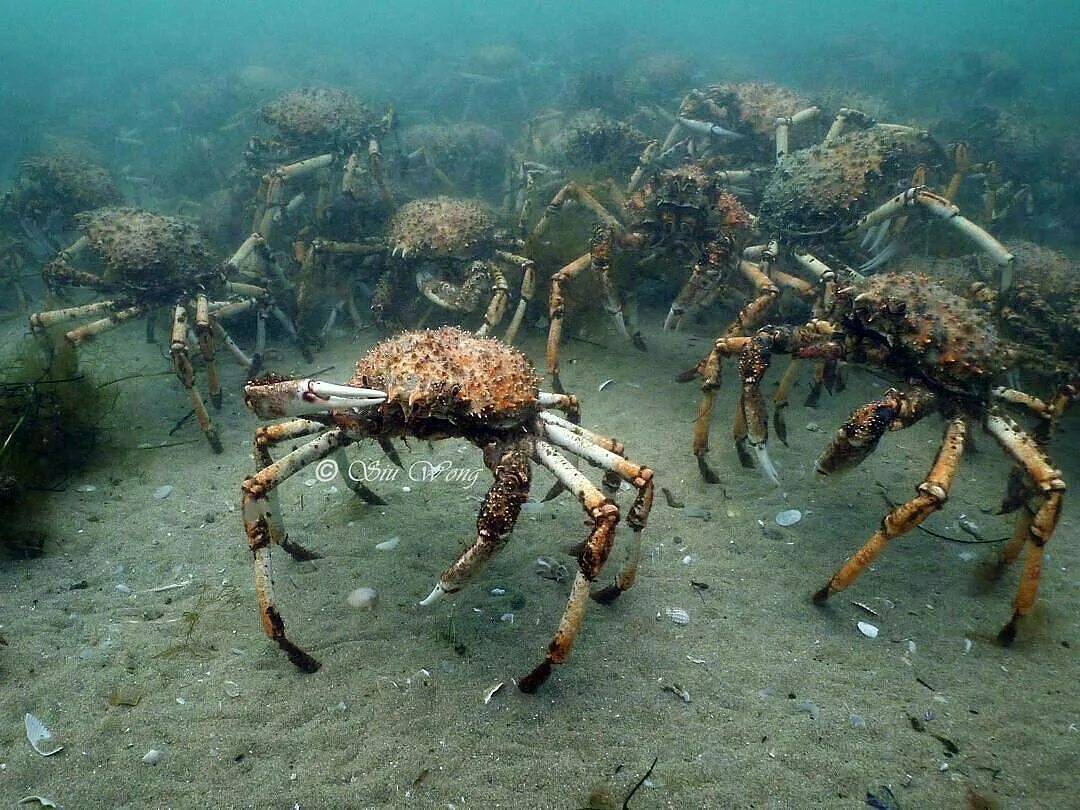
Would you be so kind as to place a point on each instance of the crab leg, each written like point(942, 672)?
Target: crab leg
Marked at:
point(43, 320)
point(943, 209)
point(498, 514)
point(705, 278)
point(785, 123)
point(500, 296)
point(557, 311)
point(271, 192)
point(256, 509)
point(205, 336)
point(600, 249)
point(266, 437)
point(931, 496)
point(603, 514)
point(581, 443)
point(528, 288)
point(1034, 526)
point(119, 316)
point(178, 348)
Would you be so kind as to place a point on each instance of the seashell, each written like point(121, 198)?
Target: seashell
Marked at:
point(789, 517)
point(85, 488)
point(153, 756)
point(507, 617)
point(604, 385)
point(40, 738)
point(232, 689)
point(38, 801)
point(867, 629)
point(389, 544)
point(363, 598)
point(163, 492)
point(489, 693)
point(675, 615)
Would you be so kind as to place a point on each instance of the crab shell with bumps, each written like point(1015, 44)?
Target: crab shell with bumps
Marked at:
point(436, 384)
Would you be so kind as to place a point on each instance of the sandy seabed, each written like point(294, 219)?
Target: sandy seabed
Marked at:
point(790, 706)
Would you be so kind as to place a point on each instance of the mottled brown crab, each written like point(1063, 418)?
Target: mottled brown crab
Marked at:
point(38, 213)
point(328, 136)
point(687, 217)
point(453, 253)
point(144, 262)
point(951, 357)
point(437, 384)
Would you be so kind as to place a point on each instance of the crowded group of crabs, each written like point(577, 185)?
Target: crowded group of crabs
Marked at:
point(838, 241)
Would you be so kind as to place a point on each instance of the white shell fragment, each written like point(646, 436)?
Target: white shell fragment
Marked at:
point(867, 629)
point(675, 615)
point(153, 756)
point(389, 544)
point(363, 598)
point(489, 693)
point(163, 492)
point(604, 385)
point(85, 488)
point(232, 689)
point(38, 801)
point(789, 517)
point(40, 738)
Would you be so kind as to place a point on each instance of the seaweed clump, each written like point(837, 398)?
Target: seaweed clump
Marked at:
point(49, 413)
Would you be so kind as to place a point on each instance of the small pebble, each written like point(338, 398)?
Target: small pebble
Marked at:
point(162, 492)
point(85, 488)
point(153, 756)
point(689, 558)
point(507, 617)
point(808, 707)
point(363, 598)
point(696, 511)
point(498, 591)
point(789, 517)
point(857, 720)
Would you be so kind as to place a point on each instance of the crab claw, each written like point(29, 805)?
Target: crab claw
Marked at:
point(764, 463)
point(438, 592)
point(295, 397)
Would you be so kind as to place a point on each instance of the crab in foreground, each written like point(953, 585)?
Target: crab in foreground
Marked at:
point(950, 355)
point(437, 384)
point(146, 262)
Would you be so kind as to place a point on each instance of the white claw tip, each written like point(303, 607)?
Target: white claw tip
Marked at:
point(761, 452)
point(436, 594)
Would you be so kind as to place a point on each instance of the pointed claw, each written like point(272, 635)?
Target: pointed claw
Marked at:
point(764, 463)
point(438, 592)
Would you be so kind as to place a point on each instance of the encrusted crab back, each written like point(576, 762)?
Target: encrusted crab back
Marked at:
point(322, 117)
point(442, 226)
point(453, 373)
point(140, 248)
point(833, 184)
point(950, 341)
point(65, 182)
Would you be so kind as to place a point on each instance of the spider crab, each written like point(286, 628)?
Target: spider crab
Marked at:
point(38, 212)
point(949, 354)
point(322, 134)
point(438, 384)
point(685, 215)
point(450, 249)
point(144, 262)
